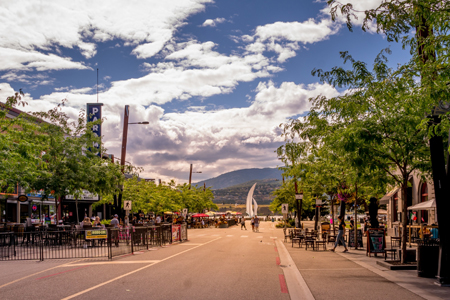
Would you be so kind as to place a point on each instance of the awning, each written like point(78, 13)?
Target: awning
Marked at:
point(382, 212)
point(385, 199)
point(427, 205)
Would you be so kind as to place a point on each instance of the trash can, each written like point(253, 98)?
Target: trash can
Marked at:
point(427, 258)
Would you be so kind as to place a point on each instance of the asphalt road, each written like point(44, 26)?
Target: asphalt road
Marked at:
point(213, 264)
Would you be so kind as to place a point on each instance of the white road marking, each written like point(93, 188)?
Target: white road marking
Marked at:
point(297, 287)
point(273, 237)
point(230, 235)
point(132, 272)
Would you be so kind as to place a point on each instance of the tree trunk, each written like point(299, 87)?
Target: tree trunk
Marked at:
point(355, 227)
point(404, 218)
point(76, 208)
point(332, 214)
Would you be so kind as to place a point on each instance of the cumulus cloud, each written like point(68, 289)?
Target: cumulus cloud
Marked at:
point(213, 23)
point(284, 38)
point(147, 25)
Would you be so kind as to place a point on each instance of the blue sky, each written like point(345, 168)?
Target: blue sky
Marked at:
point(213, 78)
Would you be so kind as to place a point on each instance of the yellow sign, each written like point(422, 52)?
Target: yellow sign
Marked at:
point(96, 234)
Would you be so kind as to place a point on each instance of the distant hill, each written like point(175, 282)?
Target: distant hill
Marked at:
point(240, 177)
point(237, 194)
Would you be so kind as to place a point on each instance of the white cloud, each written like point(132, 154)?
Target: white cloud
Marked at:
point(284, 37)
point(14, 59)
point(213, 23)
point(306, 32)
point(48, 25)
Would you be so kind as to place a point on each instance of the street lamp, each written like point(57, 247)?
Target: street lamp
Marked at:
point(298, 206)
point(124, 147)
point(190, 176)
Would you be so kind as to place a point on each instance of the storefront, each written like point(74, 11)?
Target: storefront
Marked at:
point(418, 191)
point(74, 210)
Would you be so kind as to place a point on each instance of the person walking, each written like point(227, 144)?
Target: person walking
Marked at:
point(253, 224)
point(341, 233)
point(256, 224)
point(243, 223)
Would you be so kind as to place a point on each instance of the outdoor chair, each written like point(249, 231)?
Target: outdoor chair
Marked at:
point(322, 243)
point(286, 236)
point(309, 241)
point(396, 241)
point(391, 252)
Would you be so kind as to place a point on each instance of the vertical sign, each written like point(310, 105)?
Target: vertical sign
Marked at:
point(94, 113)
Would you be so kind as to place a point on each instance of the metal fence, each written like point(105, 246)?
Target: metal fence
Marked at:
point(87, 243)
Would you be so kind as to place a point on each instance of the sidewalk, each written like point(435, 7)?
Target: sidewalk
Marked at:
point(337, 275)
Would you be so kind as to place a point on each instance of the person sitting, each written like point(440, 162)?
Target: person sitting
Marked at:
point(434, 232)
point(97, 222)
point(86, 223)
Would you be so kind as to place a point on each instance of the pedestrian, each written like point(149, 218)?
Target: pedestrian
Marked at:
point(243, 223)
point(253, 224)
point(158, 220)
point(115, 221)
point(352, 223)
point(256, 224)
point(341, 233)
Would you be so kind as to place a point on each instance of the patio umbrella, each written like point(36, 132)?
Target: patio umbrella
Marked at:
point(200, 216)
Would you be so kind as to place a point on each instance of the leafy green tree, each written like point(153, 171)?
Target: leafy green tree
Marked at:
point(376, 123)
point(22, 140)
point(423, 27)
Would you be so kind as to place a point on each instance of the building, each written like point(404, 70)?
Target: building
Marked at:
point(419, 191)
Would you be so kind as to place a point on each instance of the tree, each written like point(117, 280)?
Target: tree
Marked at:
point(376, 122)
point(422, 26)
point(22, 140)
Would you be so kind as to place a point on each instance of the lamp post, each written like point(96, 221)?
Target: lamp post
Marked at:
point(190, 176)
point(124, 149)
point(298, 206)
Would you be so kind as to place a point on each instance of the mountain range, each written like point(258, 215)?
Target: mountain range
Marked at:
point(241, 176)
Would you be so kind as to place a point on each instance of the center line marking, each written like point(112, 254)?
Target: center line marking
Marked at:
point(132, 272)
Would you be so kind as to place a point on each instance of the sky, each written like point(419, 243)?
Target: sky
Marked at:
point(214, 79)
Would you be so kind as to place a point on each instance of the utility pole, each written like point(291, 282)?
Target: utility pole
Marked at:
point(190, 177)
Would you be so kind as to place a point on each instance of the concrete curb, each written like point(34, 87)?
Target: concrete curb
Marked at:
point(297, 287)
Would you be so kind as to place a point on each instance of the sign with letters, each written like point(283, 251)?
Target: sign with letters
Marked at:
point(284, 208)
point(94, 113)
point(96, 234)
